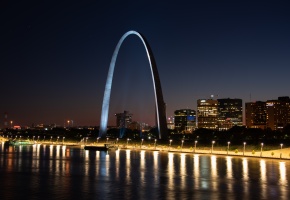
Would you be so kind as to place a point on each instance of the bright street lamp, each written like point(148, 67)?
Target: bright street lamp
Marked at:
point(141, 143)
point(155, 143)
point(98, 139)
point(195, 145)
point(262, 144)
point(170, 144)
point(182, 144)
point(228, 147)
point(244, 148)
point(212, 143)
point(127, 142)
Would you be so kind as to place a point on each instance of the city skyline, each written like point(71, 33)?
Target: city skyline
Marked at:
point(55, 57)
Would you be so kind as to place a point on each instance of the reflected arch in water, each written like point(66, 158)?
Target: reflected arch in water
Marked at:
point(159, 102)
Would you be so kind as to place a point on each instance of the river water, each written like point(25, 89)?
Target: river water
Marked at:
point(64, 172)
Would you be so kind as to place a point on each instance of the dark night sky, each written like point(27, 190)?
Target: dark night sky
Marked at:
point(55, 56)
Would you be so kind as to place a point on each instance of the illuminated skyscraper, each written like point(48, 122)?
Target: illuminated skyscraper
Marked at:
point(278, 113)
point(230, 113)
point(256, 114)
point(185, 120)
point(207, 113)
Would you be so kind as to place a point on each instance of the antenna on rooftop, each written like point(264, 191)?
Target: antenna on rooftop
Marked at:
point(212, 96)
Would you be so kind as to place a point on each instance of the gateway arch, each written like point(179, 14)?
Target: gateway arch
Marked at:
point(159, 102)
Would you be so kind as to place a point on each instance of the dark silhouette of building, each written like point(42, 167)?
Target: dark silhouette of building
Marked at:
point(123, 119)
point(256, 114)
point(185, 120)
point(230, 113)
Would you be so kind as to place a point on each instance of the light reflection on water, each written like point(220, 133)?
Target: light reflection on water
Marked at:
point(182, 170)
point(263, 178)
point(245, 176)
point(229, 173)
point(214, 173)
point(63, 172)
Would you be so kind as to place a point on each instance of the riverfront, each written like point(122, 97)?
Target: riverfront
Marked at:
point(235, 150)
point(44, 171)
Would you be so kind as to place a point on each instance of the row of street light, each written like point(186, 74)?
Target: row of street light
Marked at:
point(155, 144)
point(213, 142)
point(38, 138)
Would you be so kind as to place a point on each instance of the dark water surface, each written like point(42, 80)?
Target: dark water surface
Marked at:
point(59, 172)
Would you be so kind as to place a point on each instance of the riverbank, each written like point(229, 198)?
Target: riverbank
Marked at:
point(273, 154)
point(239, 151)
point(251, 151)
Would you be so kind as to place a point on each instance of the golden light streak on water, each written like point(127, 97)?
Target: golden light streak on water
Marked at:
point(155, 164)
point(128, 165)
point(97, 171)
point(283, 179)
point(67, 154)
point(196, 171)
point(229, 172)
point(63, 150)
point(117, 163)
point(142, 172)
point(182, 170)
point(214, 172)
point(57, 151)
point(263, 171)
point(107, 164)
point(246, 175)
point(58, 162)
point(282, 171)
point(170, 175)
point(50, 150)
point(142, 155)
point(35, 163)
point(34, 149)
point(86, 161)
point(50, 155)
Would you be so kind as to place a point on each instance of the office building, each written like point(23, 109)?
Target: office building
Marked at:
point(256, 114)
point(207, 113)
point(278, 113)
point(185, 120)
point(230, 113)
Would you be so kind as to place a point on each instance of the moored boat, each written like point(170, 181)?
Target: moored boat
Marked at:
point(19, 142)
point(106, 147)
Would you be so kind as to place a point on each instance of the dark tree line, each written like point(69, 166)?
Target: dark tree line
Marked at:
point(237, 135)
